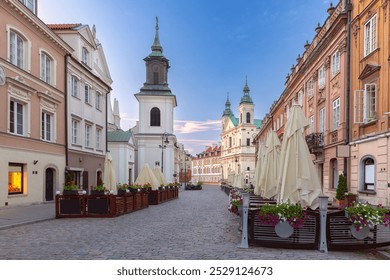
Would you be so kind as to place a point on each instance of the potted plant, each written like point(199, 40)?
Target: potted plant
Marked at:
point(199, 185)
point(122, 189)
point(70, 187)
point(364, 215)
point(341, 191)
point(98, 190)
point(284, 217)
point(235, 201)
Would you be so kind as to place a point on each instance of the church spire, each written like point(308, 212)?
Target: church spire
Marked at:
point(227, 111)
point(156, 47)
point(246, 98)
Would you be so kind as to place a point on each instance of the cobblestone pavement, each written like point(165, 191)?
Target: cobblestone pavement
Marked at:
point(195, 226)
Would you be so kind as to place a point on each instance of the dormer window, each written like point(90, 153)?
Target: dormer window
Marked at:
point(30, 4)
point(85, 56)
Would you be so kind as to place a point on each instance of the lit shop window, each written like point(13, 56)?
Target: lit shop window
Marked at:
point(15, 178)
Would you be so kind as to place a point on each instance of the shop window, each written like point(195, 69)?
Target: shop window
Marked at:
point(15, 178)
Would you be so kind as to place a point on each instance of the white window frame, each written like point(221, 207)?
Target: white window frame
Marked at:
point(98, 138)
point(98, 101)
point(321, 77)
point(85, 56)
point(47, 128)
point(310, 88)
point(75, 131)
point(48, 68)
point(18, 55)
point(17, 119)
point(311, 124)
point(336, 113)
point(87, 94)
point(322, 120)
point(335, 63)
point(370, 36)
point(300, 98)
point(88, 135)
point(30, 4)
point(74, 86)
point(365, 104)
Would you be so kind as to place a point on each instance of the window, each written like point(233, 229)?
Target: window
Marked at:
point(155, 78)
point(85, 56)
point(75, 131)
point(365, 104)
point(30, 4)
point(322, 121)
point(17, 50)
point(16, 118)
point(87, 94)
point(46, 68)
point(98, 138)
point(155, 117)
point(98, 100)
point(248, 117)
point(321, 77)
point(311, 124)
point(230, 142)
point(248, 141)
point(47, 126)
point(310, 88)
point(335, 63)
point(368, 174)
point(15, 178)
point(300, 98)
point(370, 36)
point(281, 119)
point(75, 86)
point(88, 129)
point(336, 113)
point(334, 175)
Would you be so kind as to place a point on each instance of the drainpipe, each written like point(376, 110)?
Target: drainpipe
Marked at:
point(348, 83)
point(66, 113)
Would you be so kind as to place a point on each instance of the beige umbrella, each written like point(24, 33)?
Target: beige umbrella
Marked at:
point(238, 181)
point(146, 176)
point(160, 176)
point(298, 180)
point(109, 174)
point(269, 179)
point(259, 167)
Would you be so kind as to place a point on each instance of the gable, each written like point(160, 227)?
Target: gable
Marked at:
point(368, 70)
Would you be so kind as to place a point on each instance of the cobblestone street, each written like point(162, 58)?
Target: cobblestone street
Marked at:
point(195, 226)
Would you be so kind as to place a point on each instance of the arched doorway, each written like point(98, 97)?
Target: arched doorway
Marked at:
point(49, 184)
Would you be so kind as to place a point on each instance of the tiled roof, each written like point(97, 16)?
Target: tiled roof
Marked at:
point(63, 26)
point(118, 136)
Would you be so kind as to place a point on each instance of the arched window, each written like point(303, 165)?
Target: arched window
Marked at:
point(248, 117)
point(334, 179)
point(241, 118)
point(155, 117)
point(368, 174)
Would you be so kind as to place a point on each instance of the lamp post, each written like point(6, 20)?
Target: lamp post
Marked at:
point(162, 146)
point(323, 213)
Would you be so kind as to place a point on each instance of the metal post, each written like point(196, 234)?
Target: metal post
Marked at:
point(323, 214)
point(245, 211)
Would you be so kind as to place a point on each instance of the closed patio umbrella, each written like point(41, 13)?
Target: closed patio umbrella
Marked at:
point(238, 181)
point(160, 176)
point(109, 174)
point(146, 176)
point(298, 180)
point(259, 167)
point(269, 179)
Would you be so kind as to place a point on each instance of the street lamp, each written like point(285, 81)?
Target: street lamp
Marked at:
point(254, 139)
point(185, 170)
point(162, 146)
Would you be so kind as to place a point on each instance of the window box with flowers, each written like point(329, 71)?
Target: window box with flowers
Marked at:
point(284, 217)
point(365, 216)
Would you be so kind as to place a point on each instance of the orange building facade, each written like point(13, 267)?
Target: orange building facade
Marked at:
point(370, 100)
point(206, 166)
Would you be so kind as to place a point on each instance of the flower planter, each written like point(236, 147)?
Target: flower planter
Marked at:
point(70, 192)
point(98, 206)
point(71, 206)
point(121, 192)
point(361, 233)
point(94, 192)
point(284, 229)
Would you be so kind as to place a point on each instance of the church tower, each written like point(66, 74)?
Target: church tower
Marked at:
point(154, 131)
point(246, 108)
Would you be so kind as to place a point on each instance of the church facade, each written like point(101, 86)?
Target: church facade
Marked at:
point(237, 148)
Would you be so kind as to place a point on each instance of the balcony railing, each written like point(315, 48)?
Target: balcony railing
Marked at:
point(315, 141)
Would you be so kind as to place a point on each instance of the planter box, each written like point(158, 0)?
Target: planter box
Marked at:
point(153, 197)
point(129, 202)
point(70, 192)
point(144, 200)
point(137, 201)
point(70, 206)
point(98, 206)
point(94, 192)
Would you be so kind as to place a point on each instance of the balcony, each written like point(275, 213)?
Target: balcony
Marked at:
point(315, 142)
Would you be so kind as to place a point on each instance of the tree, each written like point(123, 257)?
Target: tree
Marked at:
point(341, 188)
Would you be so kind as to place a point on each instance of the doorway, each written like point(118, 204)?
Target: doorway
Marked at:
point(49, 184)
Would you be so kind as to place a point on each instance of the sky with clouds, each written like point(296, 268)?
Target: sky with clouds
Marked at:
point(212, 45)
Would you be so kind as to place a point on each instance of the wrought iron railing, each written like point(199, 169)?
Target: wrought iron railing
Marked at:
point(315, 140)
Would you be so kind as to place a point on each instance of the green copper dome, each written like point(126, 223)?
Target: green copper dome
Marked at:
point(246, 98)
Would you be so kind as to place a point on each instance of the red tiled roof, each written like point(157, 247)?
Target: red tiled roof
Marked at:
point(63, 26)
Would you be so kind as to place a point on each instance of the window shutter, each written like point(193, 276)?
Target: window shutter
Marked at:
point(358, 106)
